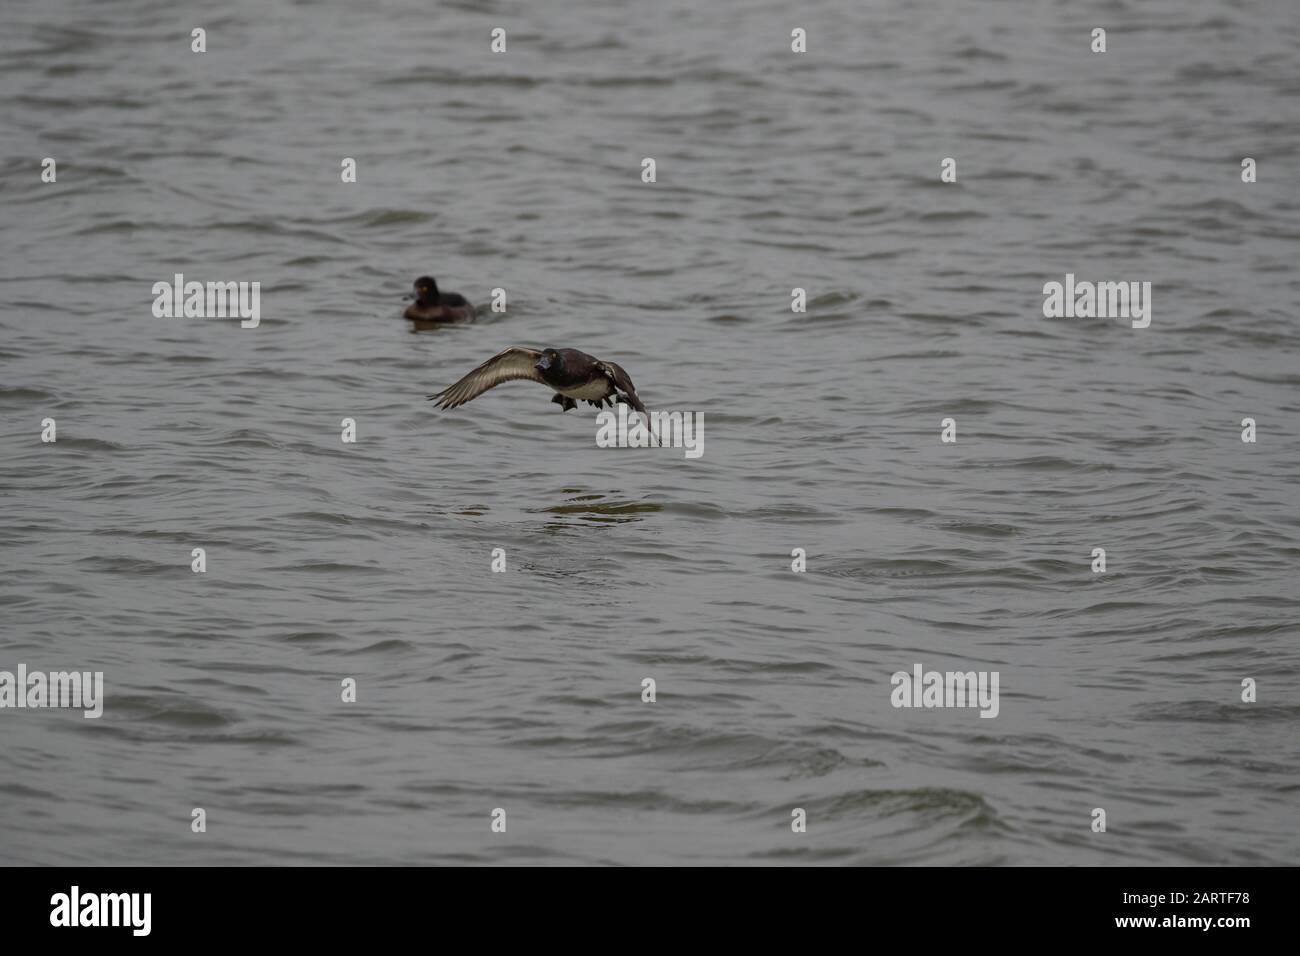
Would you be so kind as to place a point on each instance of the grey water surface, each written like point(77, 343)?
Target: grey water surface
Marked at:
point(522, 690)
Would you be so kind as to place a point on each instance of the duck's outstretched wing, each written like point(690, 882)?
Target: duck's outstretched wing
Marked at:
point(513, 363)
point(624, 384)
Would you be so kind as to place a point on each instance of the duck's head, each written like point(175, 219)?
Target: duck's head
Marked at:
point(551, 361)
point(426, 290)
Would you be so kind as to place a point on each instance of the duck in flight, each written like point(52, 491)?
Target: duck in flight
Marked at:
point(575, 377)
point(430, 305)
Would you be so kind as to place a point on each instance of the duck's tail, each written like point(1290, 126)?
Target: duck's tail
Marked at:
point(636, 404)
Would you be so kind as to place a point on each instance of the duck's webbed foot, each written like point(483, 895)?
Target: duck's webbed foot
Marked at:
point(564, 402)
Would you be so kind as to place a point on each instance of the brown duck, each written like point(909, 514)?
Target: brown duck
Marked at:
point(430, 305)
point(574, 376)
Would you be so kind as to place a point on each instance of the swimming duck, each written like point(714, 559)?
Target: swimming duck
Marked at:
point(575, 376)
point(430, 305)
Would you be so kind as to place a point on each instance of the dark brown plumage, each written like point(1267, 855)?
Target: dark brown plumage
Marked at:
point(430, 305)
point(575, 376)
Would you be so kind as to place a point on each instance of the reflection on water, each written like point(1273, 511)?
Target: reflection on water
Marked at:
point(599, 509)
